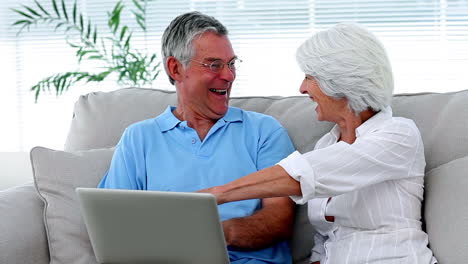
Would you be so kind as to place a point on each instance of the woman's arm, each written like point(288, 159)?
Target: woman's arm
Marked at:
point(270, 182)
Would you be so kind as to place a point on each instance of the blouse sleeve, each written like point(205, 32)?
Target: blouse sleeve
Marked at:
point(387, 154)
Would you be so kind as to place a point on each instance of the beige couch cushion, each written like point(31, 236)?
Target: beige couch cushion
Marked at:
point(56, 175)
point(442, 120)
point(446, 211)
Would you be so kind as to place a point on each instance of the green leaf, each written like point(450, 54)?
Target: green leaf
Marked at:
point(142, 25)
point(82, 76)
point(156, 66)
point(152, 58)
point(95, 35)
point(21, 22)
point(59, 25)
point(32, 11)
point(81, 23)
point(81, 53)
point(96, 57)
point(42, 8)
point(104, 47)
point(74, 13)
point(64, 9)
point(69, 28)
point(135, 2)
point(134, 56)
point(140, 20)
point(73, 45)
point(127, 42)
point(122, 33)
point(155, 75)
point(78, 52)
point(38, 90)
point(88, 33)
point(114, 20)
point(138, 16)
point(21, 29)
point(23, 14)
point(122, 74)
point(61, 84)
point(54, 4)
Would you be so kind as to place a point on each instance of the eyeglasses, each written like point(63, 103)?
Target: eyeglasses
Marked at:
point(217, 65)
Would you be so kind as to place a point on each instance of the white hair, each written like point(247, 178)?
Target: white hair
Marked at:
point(348, 61)
point(177, 39)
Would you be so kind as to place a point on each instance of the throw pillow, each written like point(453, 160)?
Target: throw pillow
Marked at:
point(446, 210)
point(56, 175)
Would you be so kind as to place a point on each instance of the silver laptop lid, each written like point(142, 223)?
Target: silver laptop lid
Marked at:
point(129, 226)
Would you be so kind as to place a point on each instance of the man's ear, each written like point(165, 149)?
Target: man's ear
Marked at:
point(174, 68)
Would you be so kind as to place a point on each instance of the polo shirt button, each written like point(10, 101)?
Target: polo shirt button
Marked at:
point(194, 141)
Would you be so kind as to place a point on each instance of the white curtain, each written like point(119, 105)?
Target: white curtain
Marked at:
point(427, 41)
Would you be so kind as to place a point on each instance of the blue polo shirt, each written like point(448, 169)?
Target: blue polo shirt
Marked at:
point(165, 154)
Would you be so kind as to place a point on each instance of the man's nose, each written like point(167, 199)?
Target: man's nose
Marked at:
point(227, 74)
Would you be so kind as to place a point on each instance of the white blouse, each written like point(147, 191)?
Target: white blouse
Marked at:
point(376, 185)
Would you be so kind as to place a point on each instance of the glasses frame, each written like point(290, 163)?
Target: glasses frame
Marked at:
point(233, 65)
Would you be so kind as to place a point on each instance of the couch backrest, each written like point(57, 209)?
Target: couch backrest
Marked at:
point(100, 119)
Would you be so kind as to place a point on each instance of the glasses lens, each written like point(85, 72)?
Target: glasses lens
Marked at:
point(216, 66)
point(234, 64)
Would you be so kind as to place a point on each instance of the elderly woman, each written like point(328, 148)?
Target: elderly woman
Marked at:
point(363, 182)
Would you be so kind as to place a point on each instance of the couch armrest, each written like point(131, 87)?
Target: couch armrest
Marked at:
point(22, 233)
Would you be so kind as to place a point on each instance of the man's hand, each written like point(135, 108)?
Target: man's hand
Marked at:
point(269, 225)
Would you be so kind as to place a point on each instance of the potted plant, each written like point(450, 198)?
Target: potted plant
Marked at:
point(112, 50)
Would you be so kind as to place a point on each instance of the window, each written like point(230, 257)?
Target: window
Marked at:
point(427, 41)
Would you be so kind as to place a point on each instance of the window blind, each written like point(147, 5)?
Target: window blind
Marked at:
point(427, 42)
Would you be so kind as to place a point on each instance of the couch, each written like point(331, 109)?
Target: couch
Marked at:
point(28, 234)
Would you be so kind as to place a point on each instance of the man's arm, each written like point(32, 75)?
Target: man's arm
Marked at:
point(274, 221)
point(269, 225)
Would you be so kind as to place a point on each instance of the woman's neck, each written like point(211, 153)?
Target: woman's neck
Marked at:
point(350, 122)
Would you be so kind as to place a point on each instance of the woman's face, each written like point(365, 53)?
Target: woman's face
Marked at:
point(328, 108)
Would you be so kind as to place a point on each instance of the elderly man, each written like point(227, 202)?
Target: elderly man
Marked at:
point(203, 142)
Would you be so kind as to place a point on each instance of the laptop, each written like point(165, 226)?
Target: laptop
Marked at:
point(130, 226)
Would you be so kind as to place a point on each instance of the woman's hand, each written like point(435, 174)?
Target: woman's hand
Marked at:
point(270, 182)
point(214, 191)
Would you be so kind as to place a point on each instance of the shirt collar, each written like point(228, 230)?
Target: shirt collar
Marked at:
point(370, 125)
point(374, 122)
point(167, 120)
point(233, 114)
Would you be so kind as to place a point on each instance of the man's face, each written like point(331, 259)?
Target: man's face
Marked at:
point(202, 92)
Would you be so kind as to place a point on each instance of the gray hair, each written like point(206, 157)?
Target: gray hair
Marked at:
point(178, 36)
point(349, 62)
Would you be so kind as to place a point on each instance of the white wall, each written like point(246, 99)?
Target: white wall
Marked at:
point(15, 169)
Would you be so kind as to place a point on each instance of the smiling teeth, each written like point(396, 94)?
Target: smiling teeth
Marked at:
point(220, 91)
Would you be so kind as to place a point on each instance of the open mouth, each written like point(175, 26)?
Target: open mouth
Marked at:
point(219, 91)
